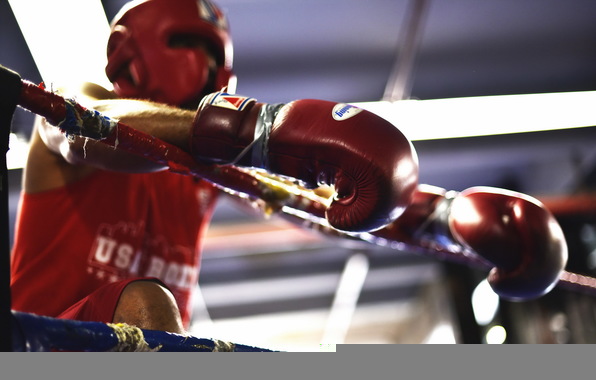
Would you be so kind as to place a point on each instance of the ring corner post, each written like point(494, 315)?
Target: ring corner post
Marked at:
point(10, 89)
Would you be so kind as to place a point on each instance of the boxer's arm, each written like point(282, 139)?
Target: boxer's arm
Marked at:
point(55, 160)
point(166, 123)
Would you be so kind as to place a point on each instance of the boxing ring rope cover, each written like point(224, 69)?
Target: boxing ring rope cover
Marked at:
point(34, 333)
point(303, 207)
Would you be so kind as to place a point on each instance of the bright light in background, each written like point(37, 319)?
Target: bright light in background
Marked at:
point(67, 39)
point(17, 152)
point(346, 299)
point(441, 334)
point(487, 115)
point(485, 303)
point(496, 335)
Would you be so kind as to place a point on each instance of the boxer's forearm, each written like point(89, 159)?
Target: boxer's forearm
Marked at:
point(164, 122)
point(167, 123)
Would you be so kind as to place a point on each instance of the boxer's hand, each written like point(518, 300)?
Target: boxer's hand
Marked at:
point(372, 166)
point(517, 234)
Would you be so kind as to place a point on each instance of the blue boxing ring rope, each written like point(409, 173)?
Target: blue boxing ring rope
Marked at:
point(32, 333)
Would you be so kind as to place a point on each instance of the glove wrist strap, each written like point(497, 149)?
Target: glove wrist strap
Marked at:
point(259, 146)
point(435, 230)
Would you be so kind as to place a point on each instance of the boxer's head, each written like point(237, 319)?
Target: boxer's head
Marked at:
point(170, 51)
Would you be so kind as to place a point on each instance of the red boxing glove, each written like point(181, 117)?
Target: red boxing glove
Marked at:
point(517, 234)
point(371, 164)
point(510, 231)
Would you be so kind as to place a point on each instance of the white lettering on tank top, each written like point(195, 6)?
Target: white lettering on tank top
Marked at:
point(113, 256)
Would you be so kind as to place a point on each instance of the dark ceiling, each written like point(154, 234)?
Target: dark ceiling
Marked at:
point(346, 50)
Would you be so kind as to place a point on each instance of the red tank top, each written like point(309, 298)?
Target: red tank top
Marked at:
point(108, 227)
